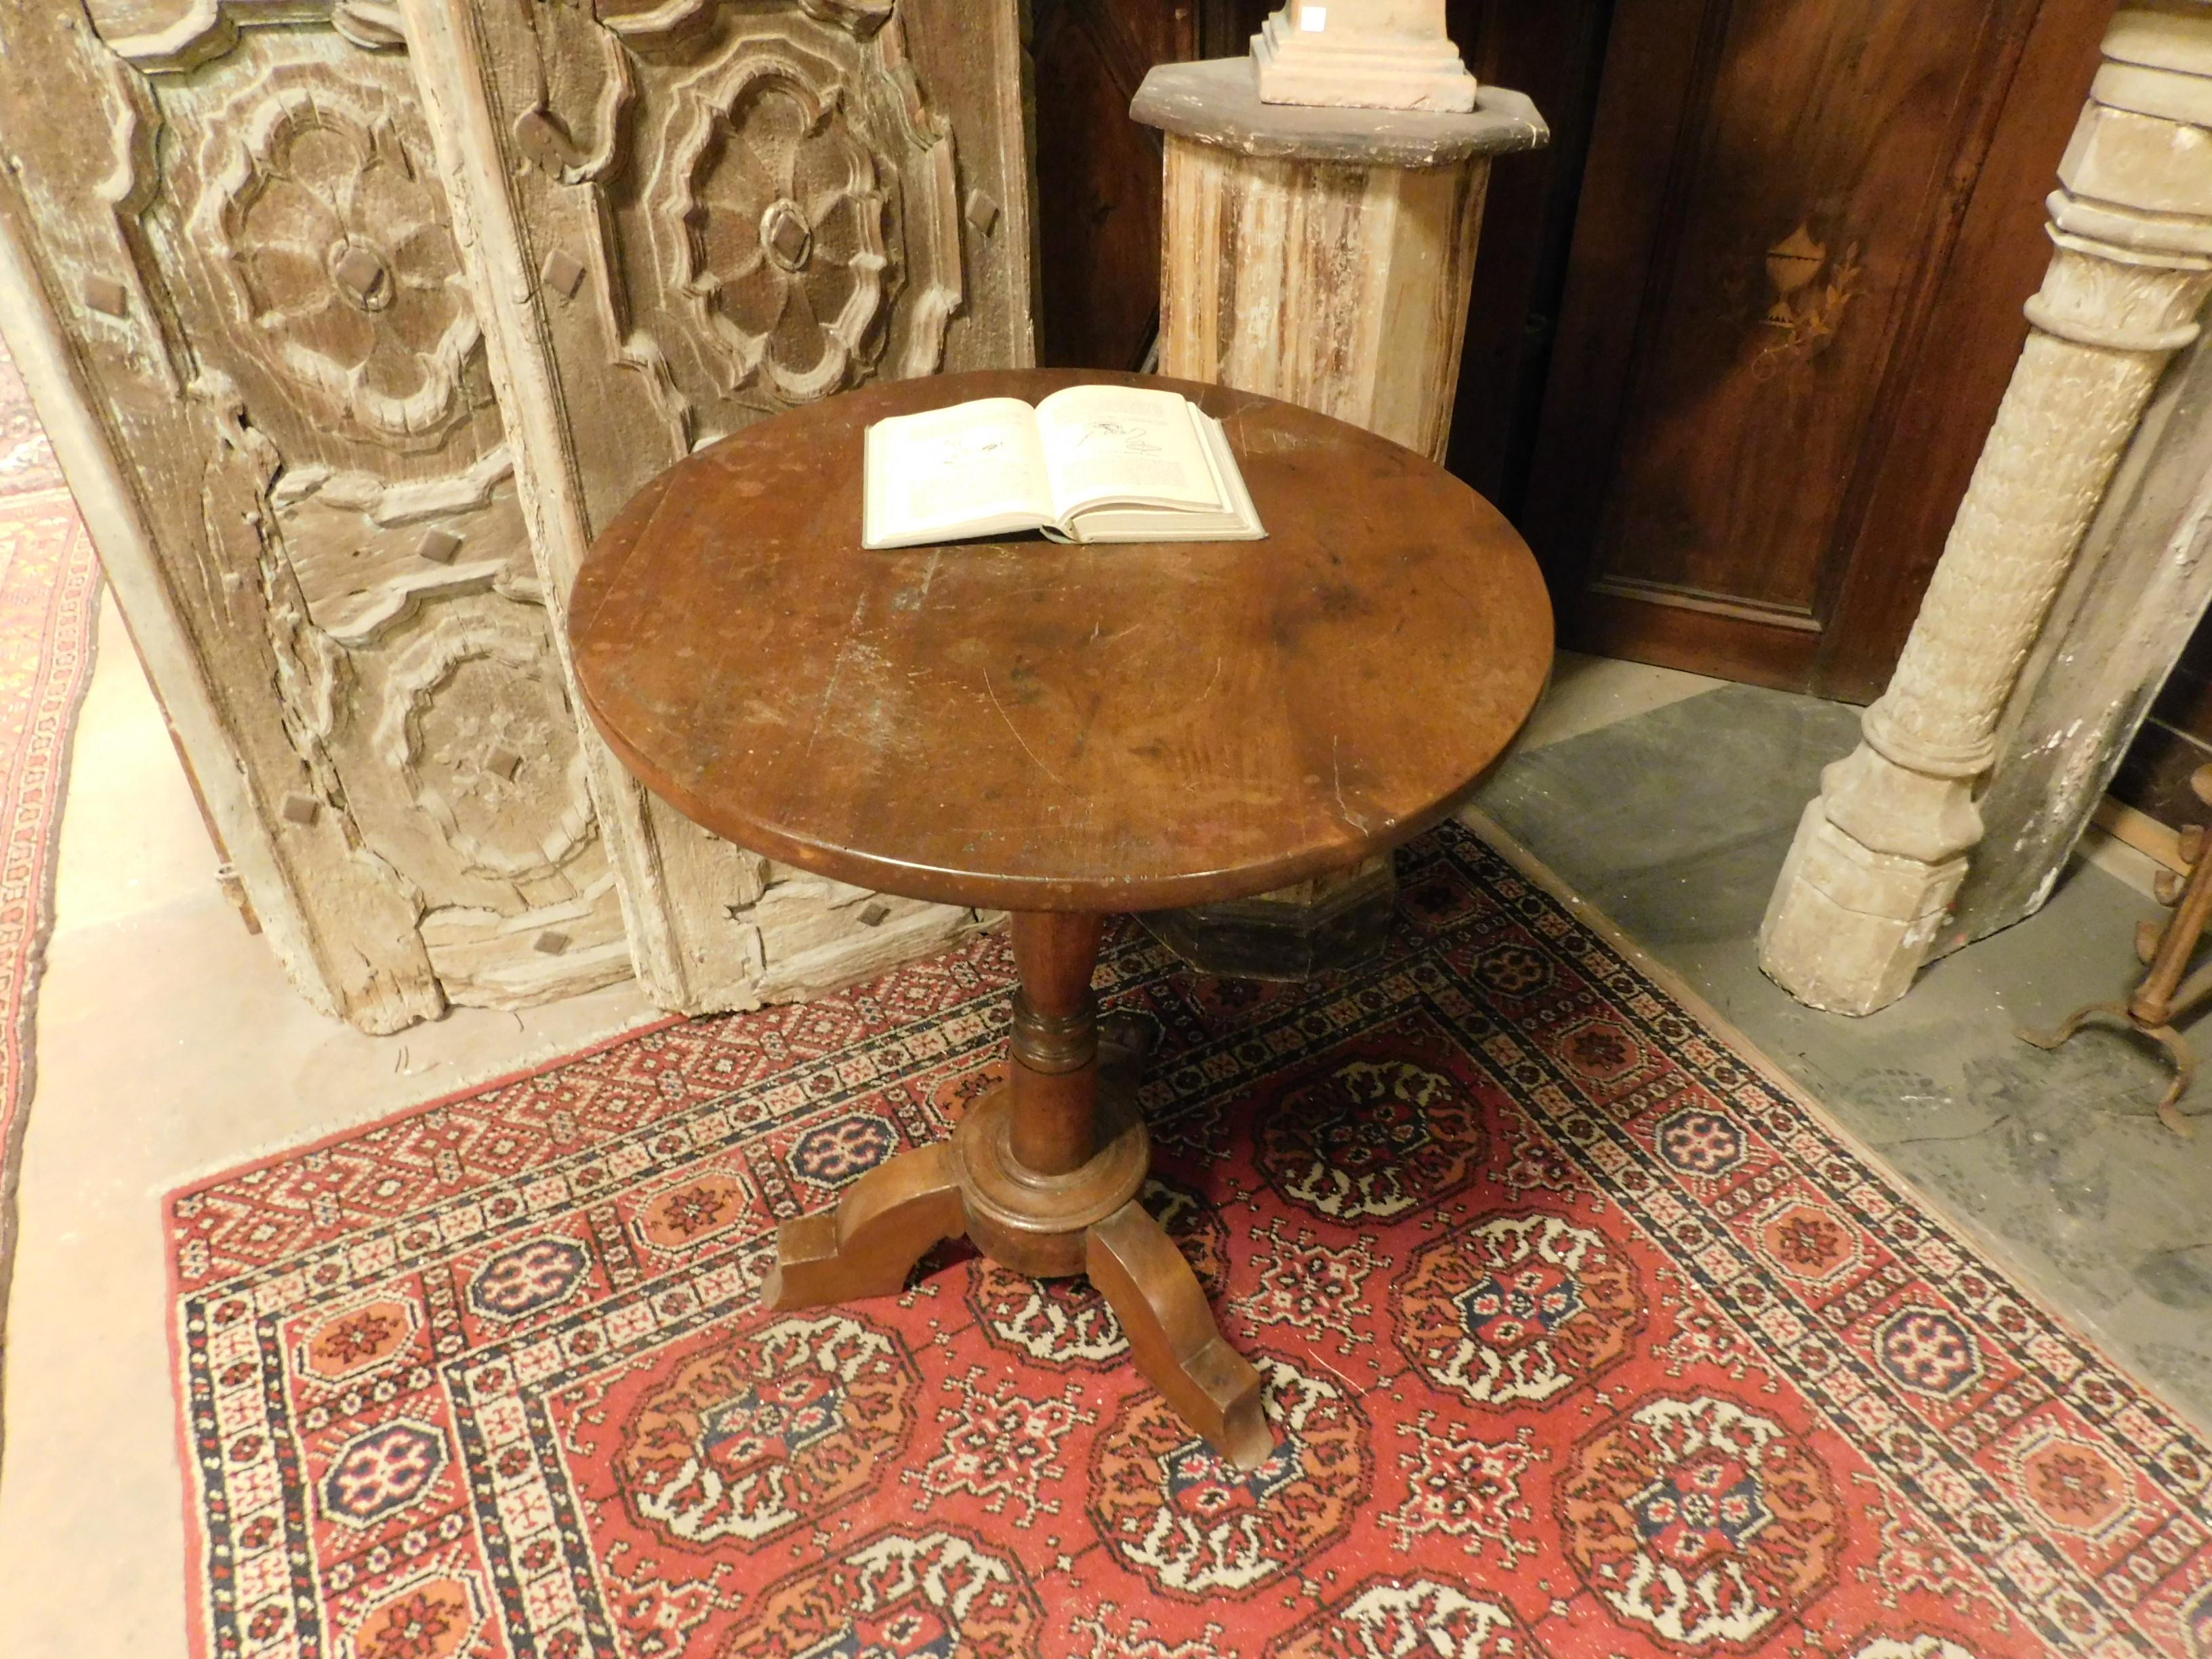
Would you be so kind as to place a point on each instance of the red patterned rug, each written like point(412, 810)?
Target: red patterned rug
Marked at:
point(49, 603)
point(1582, 1338)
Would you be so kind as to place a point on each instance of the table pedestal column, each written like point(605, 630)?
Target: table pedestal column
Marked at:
point(1042, 1175)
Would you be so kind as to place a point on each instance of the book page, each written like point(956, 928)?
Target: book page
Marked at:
point(961, 471)
point(1239, 520)
point(1116, 443)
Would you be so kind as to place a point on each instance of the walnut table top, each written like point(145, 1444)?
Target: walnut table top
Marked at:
point(1030, 726)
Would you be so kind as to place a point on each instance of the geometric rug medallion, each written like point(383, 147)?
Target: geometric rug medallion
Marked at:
point(1580, 1338)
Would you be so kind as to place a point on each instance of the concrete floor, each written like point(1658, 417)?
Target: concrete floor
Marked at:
point(1674, 824)
point(170, 1047)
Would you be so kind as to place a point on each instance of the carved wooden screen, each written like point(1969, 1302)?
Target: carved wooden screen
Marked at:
point(688, 215)
point(277, 360)
point(245, 231)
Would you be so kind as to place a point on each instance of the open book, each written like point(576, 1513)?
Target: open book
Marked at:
point(1090, 464)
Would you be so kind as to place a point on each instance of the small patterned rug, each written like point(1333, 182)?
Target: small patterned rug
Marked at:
point(49, 603)
point(1582, 1337)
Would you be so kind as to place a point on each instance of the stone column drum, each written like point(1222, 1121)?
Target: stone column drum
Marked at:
point(1881, 853)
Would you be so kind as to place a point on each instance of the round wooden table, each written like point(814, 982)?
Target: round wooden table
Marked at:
point(1062, 733)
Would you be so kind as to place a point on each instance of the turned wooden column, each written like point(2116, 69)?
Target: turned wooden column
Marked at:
point(1323, 256)
point(1879, 854)
point(1055, 1040)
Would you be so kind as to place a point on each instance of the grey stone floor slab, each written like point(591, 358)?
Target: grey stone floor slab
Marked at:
point(1674, 823)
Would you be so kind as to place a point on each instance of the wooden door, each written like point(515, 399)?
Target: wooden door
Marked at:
point(1805, 233)
point(1098, 174)
point(688, 215)
point(230, 243)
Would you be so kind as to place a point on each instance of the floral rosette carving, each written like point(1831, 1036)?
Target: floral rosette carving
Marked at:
point(786, 218)
point(482, 740)
point(337, 240)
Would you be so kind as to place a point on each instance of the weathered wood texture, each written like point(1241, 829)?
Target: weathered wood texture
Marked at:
point(1553, 53)
point(1323, 256)
point(1215, 102)
point(2140, 585)
point(710, 231)
point(255, 313)
point(291, 457)
point(1100, 179)
point(1307, 320)
point(1790, 311)
point(1047, 727)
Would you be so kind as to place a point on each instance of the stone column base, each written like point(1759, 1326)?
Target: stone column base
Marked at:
point(1359, 70)
point(1848, 926)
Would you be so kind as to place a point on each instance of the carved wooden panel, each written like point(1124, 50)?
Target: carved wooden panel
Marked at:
point(695, 213)
point(256, 323)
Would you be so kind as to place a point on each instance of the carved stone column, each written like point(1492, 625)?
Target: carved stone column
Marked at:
point(1881, 853)
point(1323, 256)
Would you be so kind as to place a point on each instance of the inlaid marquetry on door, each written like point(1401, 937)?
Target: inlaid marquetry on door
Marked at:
point(354, 321)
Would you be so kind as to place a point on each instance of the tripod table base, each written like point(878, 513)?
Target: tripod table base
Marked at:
point(1085, 1219)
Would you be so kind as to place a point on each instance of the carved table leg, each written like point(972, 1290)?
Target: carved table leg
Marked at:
point(1042, 1175)
point(1172, 1336)
point(871, 1241)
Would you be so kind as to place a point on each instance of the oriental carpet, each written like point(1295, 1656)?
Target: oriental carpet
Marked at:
point(49, 603)
point(1582, 1337)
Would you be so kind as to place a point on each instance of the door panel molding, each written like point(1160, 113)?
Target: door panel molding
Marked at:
point(1783, 204)
point(631, 180)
